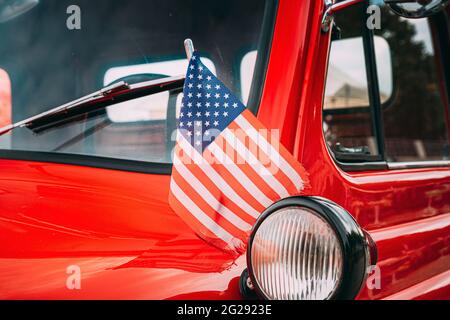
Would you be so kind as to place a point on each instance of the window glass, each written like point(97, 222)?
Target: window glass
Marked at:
point(152, 107)
point(347, 78)
point(415, 121)
point(5, 106)
point(247, 69)
point(384, 68)
point(348, 118)
point(5, 99)
point(412, 96)
point(50, 64)
point(346, 85)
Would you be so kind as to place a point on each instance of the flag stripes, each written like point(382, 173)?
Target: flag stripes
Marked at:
point(212, 229)
point(216, 179)
point(247, 122)
point(223, 212)
point(210, 199)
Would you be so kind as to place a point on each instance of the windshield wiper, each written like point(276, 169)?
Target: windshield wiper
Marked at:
point(95, 102)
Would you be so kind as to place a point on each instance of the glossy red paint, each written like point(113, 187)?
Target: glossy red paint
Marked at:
point(116, 226)
point(119, 229)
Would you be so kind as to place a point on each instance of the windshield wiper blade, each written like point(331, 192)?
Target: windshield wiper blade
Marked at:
point(67, 106)
point(98, 100)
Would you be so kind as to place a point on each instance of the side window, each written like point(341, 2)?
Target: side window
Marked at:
point(141, 129)
point(402, 115)
point(415, 119)
point(348, 114)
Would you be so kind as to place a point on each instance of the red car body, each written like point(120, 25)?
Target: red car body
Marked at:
point(118, 228)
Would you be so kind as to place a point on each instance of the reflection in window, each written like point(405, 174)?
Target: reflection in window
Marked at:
point(247, 70)
point(5, 99)
point(348, 121)
point(153, 107)
point(5, 107)
point(346, 85)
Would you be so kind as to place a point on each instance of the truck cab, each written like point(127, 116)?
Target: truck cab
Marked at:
point(361, 100)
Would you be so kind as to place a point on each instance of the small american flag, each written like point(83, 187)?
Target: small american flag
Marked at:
point(228, 168)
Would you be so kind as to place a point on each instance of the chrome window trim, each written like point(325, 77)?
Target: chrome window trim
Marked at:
point(418, 164)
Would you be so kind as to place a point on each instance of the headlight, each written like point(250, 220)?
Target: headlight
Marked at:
point(307, 249)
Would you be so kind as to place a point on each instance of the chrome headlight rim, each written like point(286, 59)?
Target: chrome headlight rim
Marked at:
point(353, 240)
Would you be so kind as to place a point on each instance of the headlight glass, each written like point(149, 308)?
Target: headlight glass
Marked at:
point(295, 254)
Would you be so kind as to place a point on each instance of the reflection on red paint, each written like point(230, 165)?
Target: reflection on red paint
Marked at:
point(189, 255)
point(5, 99)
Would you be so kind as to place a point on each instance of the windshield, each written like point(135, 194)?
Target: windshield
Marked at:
point(54, 51)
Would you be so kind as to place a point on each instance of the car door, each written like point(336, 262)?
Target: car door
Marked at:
point(380, 146)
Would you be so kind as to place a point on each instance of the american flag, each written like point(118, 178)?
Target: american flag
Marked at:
point(228, 168)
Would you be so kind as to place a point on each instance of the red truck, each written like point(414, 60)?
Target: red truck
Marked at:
point(359, 94)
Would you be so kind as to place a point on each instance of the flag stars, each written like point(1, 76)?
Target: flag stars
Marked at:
point(206, 105)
